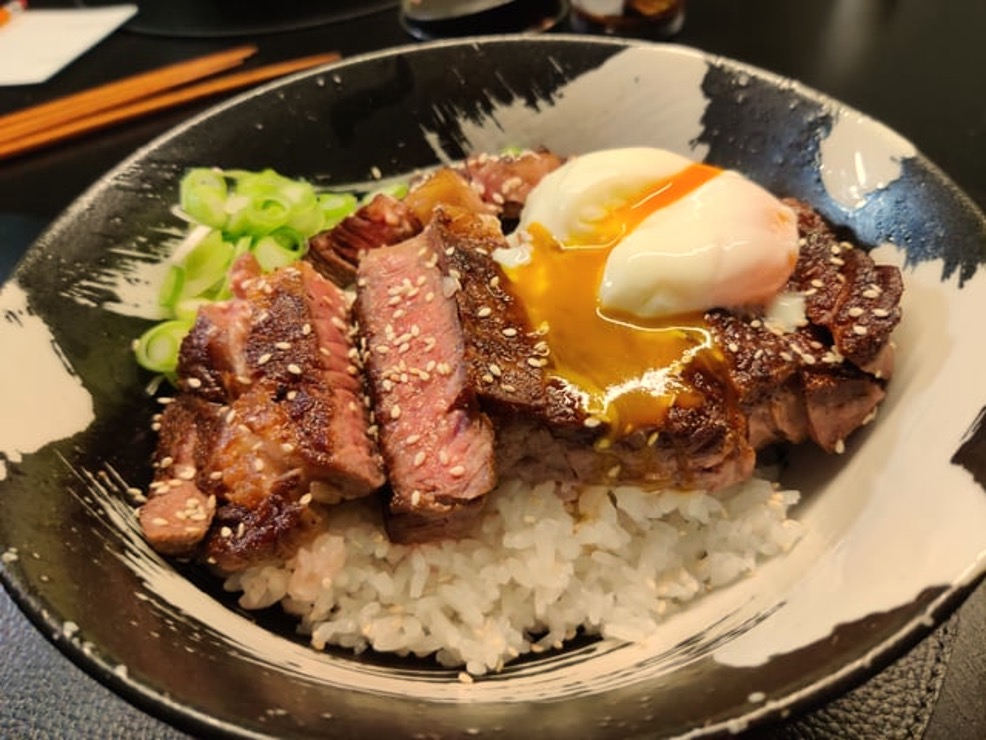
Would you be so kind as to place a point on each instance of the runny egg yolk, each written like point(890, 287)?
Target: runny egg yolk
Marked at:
point(620, 254)
point(627, 370)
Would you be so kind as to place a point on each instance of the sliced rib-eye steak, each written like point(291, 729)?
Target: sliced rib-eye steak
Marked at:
point(271, 402)
point(436, 443)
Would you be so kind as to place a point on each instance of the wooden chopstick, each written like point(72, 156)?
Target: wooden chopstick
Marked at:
point(110, 95)
point(225, 83)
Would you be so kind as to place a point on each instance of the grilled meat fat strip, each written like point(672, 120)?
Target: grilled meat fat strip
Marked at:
point(271, 412)
point(436, 443)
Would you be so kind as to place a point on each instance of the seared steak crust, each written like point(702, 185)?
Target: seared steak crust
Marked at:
point(845, 292)
point(384, 220)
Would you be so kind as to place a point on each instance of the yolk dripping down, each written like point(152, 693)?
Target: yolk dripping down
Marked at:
point(627, 368)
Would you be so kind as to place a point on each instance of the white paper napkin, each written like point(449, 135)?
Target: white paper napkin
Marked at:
point(36, 44)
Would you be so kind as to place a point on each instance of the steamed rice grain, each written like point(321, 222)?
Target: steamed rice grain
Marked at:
point(543, 563)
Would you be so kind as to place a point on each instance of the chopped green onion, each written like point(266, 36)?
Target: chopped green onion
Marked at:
point(265, 213)
point(171, 288)
point(277, 250)
point(206, 265)
point(157, 349)
point(203, 195)
point(336, 206)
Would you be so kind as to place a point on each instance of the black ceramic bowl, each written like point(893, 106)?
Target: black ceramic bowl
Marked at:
point(894, 528)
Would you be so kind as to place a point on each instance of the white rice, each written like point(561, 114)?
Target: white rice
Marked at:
point(614, 561)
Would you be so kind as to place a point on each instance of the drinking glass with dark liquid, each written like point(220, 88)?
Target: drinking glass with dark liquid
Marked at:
point(655, 19)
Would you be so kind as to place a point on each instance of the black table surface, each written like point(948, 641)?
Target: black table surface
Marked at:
point(918, 66)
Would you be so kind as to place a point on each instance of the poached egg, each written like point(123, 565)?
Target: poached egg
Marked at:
point(618, 254)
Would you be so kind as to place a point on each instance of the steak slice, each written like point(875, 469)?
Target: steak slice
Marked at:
point(270, 403)
point(384, 220)
point(823, 380)
point(846, 293)
point(542, 431)
point(180, 507)
point(436, 443)
point(506, 180)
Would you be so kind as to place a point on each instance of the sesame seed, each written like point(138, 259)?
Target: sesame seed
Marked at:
point(457, 472)
point(495, 370)
point(283, 345)
point(294, 369)
point(486, 378)
point(443, 457)
point(226, 532)
point(859, 330)
point(591, 422)
point(413, 439)
point(166, 461)
point(194, 383)
point(652, 438)
point(264, 358)
point(837, 261)
point(419, 459)
point(840, 447)
point(415, 497)
point(258, 464)
point(306, 329)
point(484, 312)
point(816, 283)
point(508, 388)
point(855, 312)
point(733, 347)
point(509, 332)
point(395, 411)
point(495, 281)
point(786, 356)
point(305, 500)
point(881, 313)
point(159, 521)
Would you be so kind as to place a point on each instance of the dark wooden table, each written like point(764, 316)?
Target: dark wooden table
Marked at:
point(918, 66)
